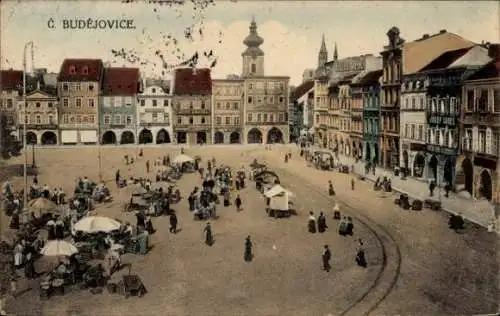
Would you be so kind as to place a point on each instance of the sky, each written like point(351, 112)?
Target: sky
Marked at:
point(291, 31)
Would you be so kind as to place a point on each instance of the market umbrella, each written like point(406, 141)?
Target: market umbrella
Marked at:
point(42, 205)
point(182, 158)
point(162, 184)
point(95, 224)
point(138, 190)
point(54, 248)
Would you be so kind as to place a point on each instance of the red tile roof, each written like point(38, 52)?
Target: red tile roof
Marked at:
point(81, 70)
point(302, 89)
point(192, 81)
point(11, 79)
point(121, 81)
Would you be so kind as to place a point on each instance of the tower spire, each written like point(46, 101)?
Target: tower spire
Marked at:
point(335, 52)
point(323, 44)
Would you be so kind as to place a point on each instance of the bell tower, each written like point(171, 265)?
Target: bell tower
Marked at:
point(323, 53)
point(253, 56)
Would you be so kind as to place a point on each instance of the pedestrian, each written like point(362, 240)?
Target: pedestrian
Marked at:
point(141, 153)
point(117, 177)
point(209, 239)
point(126, 159)
point(35, 179)
point(248, 250)
point(331, 191)
point(353, 182)
point(147, 166)
point(322, 223)
point(311, 224)
point(173, 223)
point(343, 226)
point(327, 255)
point(447, 189)
point(360, 254)
point(238, 203)
point(432, 186)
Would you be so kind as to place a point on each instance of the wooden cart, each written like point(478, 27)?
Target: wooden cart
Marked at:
point(132, 285)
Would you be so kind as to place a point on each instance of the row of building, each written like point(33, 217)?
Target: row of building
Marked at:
point(89, 102)
point(430, 108)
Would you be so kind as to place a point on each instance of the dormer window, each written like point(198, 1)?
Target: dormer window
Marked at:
point(72, 70)
point(85, 70)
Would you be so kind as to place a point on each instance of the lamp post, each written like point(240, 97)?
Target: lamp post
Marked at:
point(33, 165)
point(25, 143)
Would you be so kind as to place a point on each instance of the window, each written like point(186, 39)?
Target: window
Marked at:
point(482, 103)
point(50, 105)
point(153, 90)
point(420, 132)
point(250, 86)
point(179, 120)
point(91, 119)
point(235, 105)
point(165, 102)
point(78, 86)
point(65, 87)
point(259, 117)
point(407, 130)
point(249, 117)
point(202, 104)
point(143, 102)
point(250, 100)
point(280, 117)
point(118, 101)
point(228, 105)
point(271, 99)
point(413, 103)
point(72, 70)
point(129, 120)
point(281, 99)
point(50, 119)
point(154, 116)
point(85, 70)
point(72, 119)
point(446, 138)
point(412, 131)
point(253, 68)
point(438, 137)
point(118, 119)
point(26, 119)
point(91, 103)
point(38, 104)
point(155, 103)
point(107, 119)
point(191, 120)
point(91, 87)
point(218, 120)
point(78, 119)
point(128, 101)
point(265, 117)
point(79, 102)
point(217, 105)
point(228, 120)
point(203, 120)
point(65, 119)
point(191, 105)
point(494, 143)
point(470, 101)
point(406, 103)
point(482, 141)
point(421, 103)
point(236, 120)
point(496, 100)
point(259, 100)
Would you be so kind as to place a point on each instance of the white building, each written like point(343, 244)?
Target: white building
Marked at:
point(154, 113)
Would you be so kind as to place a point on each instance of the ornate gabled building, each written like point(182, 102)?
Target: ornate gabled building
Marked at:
point(11, 85)
point(370, 84)
point(78, 87)
point(191, 101)
point(478, 170)
point(154, 112)
point(301, 109)
point(227, 110)
point(117, 106)
point(265, 97)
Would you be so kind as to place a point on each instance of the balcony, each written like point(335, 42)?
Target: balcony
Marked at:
point(442, 120)
point(40, 126)
point(192, 127)
point(192, 111)
point(447, 151)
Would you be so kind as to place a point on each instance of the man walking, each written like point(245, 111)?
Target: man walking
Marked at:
point(173, 223)
point(238, 203)
point(327, 255)
point(147, 166)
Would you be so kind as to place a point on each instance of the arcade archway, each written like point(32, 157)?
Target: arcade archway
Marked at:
point(201, 138)
point(218, 138)
point(163, 137)
point(433, 167)
point(254, 136)
point(418, 166)
point(181, 137)
point(275, 136)
point(368, 152)
point(127, 137)
point(145, 137)
point(234, 138)
point(405, 159)
point(485, 185)
point(448, 171)
point(49, 138)
point(31, 138)
point(108, 138)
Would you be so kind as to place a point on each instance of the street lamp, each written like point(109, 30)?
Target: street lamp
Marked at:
point(25, 143)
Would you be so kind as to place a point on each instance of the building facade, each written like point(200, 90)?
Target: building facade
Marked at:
point(413, 125)
point(265, 97)
point(301, 109)
point(390, 95)
point(117, 106)
point(371, 116)
point(191, 101)
point(154, 113)
point(78, 87)
point(227, 111)
point(477, 166)
point(40, 115)
point(11, 84)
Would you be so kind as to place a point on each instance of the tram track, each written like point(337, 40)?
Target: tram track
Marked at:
point(390, 270)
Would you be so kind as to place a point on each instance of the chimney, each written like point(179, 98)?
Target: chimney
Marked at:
point(425, 36)
point(442, 31)
point(494, 51)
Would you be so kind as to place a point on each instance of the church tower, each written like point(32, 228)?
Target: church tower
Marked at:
point(253, 56)
point(335, 52)
point(323, 54)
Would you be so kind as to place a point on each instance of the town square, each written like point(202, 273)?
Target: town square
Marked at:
point(249, 165)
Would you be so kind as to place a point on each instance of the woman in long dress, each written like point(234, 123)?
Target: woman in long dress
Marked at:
point(248, 250)
point(18, 255)
point(360, 255)
point(311, 224)
point(343, 226)
point(209, 239)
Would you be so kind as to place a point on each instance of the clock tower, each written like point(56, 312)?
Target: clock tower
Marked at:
point(253, 56)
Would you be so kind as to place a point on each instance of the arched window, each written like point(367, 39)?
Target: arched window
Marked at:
point(253, 68)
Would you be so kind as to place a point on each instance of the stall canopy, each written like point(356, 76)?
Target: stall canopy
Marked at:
point(182, 158)
point(278, 198)
point(277, 190)
point(55, 248)
point(95, 224)
point(42, 205)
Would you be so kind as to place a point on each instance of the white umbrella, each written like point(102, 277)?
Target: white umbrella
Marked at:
point(183, 158)
point(56, 248)
point(95, 224)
